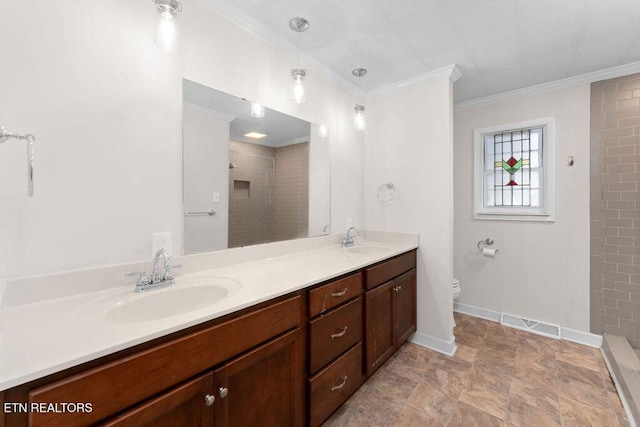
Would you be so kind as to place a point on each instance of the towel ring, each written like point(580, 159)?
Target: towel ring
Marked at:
point(386, 192)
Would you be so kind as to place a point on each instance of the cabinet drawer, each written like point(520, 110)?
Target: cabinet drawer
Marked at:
point(124, 382)
point(335, 293)
point(333, 385)
point(385, 271)
point(333, 333)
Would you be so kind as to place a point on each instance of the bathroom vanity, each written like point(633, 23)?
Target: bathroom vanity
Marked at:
point(291, 359)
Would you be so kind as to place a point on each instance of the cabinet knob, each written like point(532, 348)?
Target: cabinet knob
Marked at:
point(343, 331)
point(209, 399)
point(223, 392)
point(339, 386)
point(395, 288)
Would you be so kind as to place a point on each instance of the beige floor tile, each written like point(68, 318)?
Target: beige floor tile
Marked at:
point(486, 399)
point(616, 405)
point(469, 416)
point(438, 404)
point(465, 353)
point(578, 373)
point(545, 398)
point(499, 376)
point(539, 344)
point(576, 413)
point(376, 406)
point(536, 375)
point(587, 362)
point(397, 386)
point(469, 340)
point(491, 378)
point(411, 417)
point(528, 356)
point(345, 417)
point(523, 415)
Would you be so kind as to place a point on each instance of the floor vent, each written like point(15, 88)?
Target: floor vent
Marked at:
point(534, 326)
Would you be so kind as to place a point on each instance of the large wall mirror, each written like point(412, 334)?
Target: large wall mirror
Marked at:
point(250, 174)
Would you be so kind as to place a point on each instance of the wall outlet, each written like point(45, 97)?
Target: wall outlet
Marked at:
point(159, 241)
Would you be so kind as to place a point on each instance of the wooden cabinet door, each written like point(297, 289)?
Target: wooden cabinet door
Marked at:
point(379, 325)
point(264, 387)
point(186, 405)
point(405, 295)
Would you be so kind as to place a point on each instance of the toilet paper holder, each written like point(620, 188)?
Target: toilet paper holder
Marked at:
point(488, 242)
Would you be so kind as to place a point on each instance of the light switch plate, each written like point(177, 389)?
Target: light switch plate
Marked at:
point(216, 197)
point(161, 240)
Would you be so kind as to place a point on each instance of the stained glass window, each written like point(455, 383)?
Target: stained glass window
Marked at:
point(513, 168)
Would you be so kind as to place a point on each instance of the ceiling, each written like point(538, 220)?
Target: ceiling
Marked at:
point(280, 129)
point(498, 45)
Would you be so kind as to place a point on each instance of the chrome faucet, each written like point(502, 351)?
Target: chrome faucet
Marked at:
point(348, 240)
point(157, 280)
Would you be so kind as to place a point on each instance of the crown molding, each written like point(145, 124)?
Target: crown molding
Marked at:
point(595, 76)
point(232, 13)
point(450, 71)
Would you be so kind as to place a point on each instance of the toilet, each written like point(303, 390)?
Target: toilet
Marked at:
point(456, 294)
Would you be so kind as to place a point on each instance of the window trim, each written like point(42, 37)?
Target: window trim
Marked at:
point(546, 213)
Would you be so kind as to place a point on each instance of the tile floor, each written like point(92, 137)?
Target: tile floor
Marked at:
point(499, 377)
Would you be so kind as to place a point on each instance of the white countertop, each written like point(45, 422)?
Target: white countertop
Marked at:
point(50, 335)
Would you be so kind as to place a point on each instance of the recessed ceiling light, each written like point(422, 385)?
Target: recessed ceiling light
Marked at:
point(255, 135)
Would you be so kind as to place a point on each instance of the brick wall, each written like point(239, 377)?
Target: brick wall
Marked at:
point(615, 213)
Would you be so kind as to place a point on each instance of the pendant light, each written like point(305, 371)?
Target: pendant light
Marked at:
point(299, 25)
point(358, 118)
point(257, 110)
point(166, 35)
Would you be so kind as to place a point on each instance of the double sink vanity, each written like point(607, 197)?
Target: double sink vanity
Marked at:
point(277, 334)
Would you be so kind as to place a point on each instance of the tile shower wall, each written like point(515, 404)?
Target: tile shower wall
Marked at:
point(615, 213)
point(268, 193)
point(251, 194)
point(292, 192)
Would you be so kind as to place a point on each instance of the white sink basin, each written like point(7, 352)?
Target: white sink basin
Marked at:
point(187, 295)
point(367, 249)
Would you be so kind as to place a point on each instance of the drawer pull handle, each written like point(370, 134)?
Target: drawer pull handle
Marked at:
point(209, 399)
point(339, 386)
point(342, 293)
point(339, 334)
point(223, 392)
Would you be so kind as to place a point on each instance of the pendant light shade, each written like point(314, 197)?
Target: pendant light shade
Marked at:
point(299, 25)
point(166, 34)
point(297, 90)
point(358, 118)
point(257, 110)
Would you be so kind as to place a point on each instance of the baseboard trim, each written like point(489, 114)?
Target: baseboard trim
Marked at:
point(580, 337)
point(472, 310)
point(441, 346)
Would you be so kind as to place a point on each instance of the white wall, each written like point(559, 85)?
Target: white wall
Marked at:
point(542, 269)
point(105, 106)
point(409, 142)
point(205, 153)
